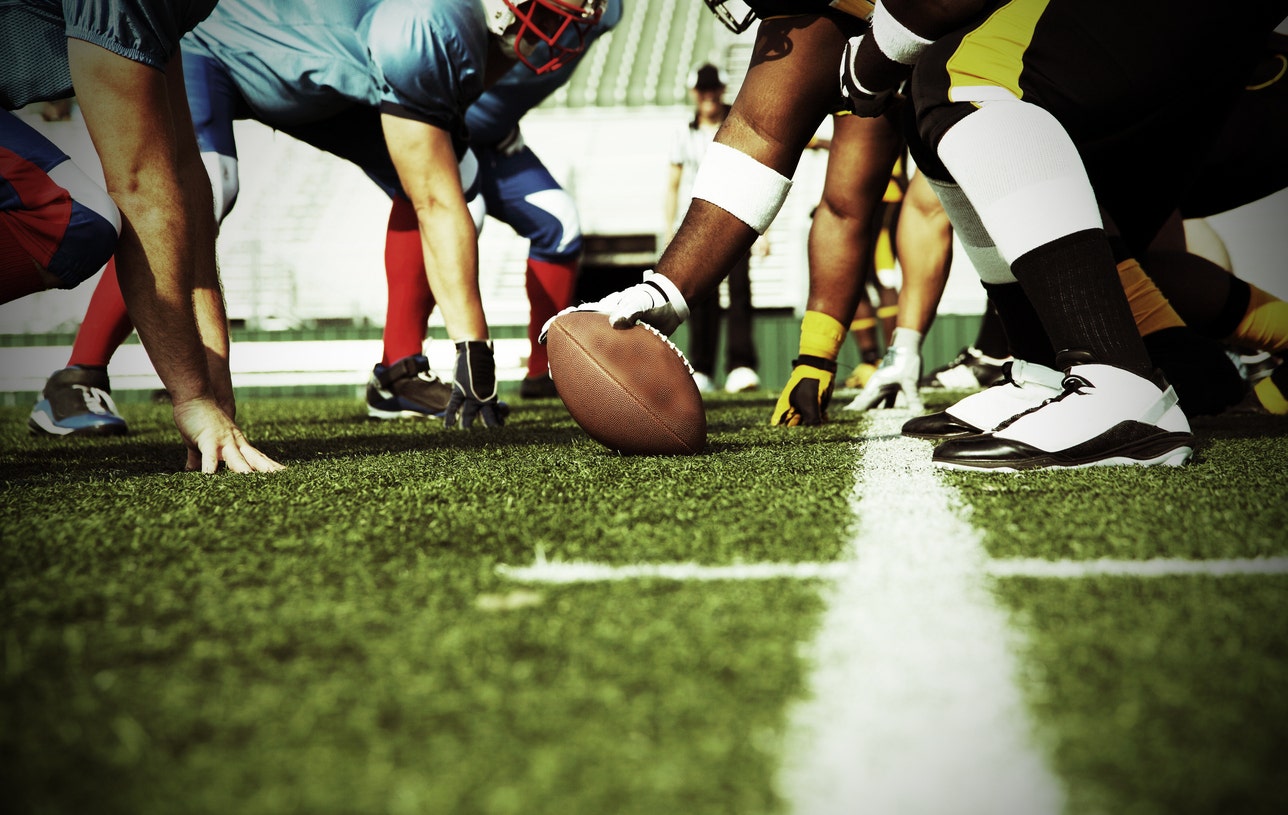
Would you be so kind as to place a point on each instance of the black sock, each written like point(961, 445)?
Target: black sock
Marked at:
point(1073, 285)
point(1025, 337)
point(991, 339)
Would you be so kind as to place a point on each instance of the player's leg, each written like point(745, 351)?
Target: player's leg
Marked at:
point(790, 86)
point(841, 243)
point(401, 385)
point(1020, 172)
point(213, 101)
point(520, 191)
point(740, 352)
point(57, 227)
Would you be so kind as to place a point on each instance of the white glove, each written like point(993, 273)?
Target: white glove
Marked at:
point(899, 371)
point(656, 301)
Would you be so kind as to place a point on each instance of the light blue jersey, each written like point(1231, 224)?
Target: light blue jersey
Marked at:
point(301, 61)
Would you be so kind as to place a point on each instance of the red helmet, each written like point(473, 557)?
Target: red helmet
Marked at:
point(560, 25)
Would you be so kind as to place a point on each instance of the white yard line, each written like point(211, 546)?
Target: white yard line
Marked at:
point(584, 572)
point(914, 705)
point(1158, 567)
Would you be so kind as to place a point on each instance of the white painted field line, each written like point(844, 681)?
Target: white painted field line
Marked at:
point(585, 572)
point(914, 705)
point(1157, 567)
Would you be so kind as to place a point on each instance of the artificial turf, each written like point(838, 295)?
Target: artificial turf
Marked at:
point(336, 638)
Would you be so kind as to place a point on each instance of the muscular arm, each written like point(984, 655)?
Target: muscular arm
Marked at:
point(208, 294)
point(426, 165)
point(790, 86)
point(132, 113)
point(126, 106)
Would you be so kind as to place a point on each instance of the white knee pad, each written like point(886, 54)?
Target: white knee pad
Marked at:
point(559, 204)
point(224, 182)
point(1022, 174)
point(86, 192)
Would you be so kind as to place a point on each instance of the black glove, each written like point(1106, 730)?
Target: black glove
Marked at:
point(474, 388)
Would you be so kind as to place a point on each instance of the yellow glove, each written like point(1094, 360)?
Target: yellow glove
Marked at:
point(809, 391)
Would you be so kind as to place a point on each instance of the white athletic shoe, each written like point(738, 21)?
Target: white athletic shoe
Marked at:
point(1024, 386)
point(741, 379)
point(705, 385)
point(1105, 416)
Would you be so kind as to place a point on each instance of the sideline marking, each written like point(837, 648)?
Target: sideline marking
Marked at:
point(561, 572)
point(914, 706)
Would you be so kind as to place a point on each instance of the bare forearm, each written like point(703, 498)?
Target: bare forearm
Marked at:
point(451, 264)
point(157, 287)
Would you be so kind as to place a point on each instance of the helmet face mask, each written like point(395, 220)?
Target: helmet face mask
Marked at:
point(735, 14)
point(561, 25)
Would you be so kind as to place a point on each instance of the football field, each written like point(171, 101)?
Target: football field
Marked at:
point(411, 620)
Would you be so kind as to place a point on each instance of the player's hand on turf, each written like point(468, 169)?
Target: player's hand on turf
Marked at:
point(212, 437)
point(474, 387)
point(655, 301)
point(898, 372)
point(860, 100)
point(809, 391)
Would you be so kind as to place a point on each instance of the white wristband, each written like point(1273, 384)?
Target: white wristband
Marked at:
point(741, 186)
point(894, 39)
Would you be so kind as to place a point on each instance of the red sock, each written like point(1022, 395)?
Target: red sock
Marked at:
point(106, 325)
point(19, 276)
point(550, 286)
point(410, 300)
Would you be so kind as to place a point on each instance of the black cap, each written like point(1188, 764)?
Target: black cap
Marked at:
point(707, 78)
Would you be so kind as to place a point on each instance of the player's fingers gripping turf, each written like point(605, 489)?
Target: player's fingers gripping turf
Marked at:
point(809, 391)
point(899, 371)
point(474, 387)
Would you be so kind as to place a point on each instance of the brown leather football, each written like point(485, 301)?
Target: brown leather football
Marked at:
point(629, 389)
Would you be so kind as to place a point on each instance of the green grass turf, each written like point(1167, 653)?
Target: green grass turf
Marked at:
point(1229, 502)
point(1159, 696)
point(334, 638)
point(1163, 696)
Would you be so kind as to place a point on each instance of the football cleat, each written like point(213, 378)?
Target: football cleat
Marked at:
point(1023, 386)
point(406, 389)
point(741, 380)
point(538, 387)
point(704, 383)
point(78, 402)
point(969, 370)
point(1104, 416)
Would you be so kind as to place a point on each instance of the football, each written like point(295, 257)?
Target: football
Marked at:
point(629, 389)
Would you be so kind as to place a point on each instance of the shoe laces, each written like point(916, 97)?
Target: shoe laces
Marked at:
point(1072, 385)
point(97, 400)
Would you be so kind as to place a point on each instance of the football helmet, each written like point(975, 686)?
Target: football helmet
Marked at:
point(735, 14)
point(562, 25)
